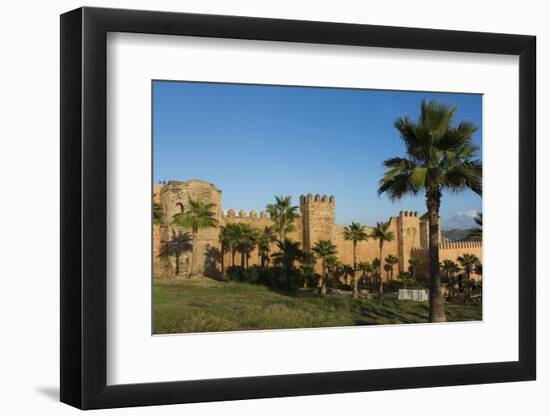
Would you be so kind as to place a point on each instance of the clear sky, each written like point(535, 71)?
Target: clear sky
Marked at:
point(254, 142)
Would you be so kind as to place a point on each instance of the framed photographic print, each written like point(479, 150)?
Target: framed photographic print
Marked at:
point(258, 207)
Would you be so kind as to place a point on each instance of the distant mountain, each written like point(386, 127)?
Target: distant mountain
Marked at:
point(462, 220)
point(454, 235)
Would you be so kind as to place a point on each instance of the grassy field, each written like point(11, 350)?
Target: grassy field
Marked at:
point(204, 305)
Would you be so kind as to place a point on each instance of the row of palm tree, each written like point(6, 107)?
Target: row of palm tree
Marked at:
point(243, 238)
point(467, 262)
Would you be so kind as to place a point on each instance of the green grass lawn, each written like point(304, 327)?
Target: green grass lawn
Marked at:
point(204, 305)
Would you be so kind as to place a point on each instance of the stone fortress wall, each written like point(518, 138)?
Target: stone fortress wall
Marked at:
point(317, 221)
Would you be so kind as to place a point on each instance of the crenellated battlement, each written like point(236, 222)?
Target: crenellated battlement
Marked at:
point(309, 198)
point(408, 214)
point(465, 244)
point(246, 214)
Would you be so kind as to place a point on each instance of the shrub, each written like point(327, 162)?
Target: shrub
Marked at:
point(274, 277)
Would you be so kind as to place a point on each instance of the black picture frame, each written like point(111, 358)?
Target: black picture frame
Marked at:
point(84, 207)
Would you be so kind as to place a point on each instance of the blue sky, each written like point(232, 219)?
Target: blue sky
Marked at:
point(254, 142)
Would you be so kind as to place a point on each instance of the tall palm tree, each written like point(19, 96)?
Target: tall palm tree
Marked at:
point(391, 260)
point(283, 214)
point(324, 249)
point(440, 156)
point(198, 216)
point(356, 233)
point(468, 263)
point(381, 233)
point(376, 269)
point(476, 233)
point(247, 239)
point(335, 269)
point(413, 264)
point(366, 268)
point(265, 238)
point(450, 268)
point(231, 234)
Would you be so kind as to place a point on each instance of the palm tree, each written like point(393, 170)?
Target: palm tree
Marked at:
point(335, 269)
point(413, 264)
point(231, 234)
point(289, 253)
point(382, 233)
point(348, 271)
point(468, 262)
point(324, 249)
point(307, 270)
point(450, 269)
point(247, 238)
point(391, 260)
point(440, 156)
point(366, 268)
point(265, 238)
point(376, 267)
point(476, 233)
point(356, 233)
point(198, 216)
point(283, 214)
point(478, 269)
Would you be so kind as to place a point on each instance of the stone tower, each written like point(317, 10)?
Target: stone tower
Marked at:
point(408, 236)
point(318, 216)
point(174, 199)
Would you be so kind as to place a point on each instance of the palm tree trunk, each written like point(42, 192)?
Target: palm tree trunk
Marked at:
point(437, 303)
point(381, 284)
point(324, 279)
point(232, 256)
point(469, 283)
point(242, 258)
point(193, 255)
point(355, 293)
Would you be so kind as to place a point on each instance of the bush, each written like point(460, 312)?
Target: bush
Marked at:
point(274, 277)
point(312, 279)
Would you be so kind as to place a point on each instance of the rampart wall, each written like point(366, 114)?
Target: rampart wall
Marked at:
point(317, 221)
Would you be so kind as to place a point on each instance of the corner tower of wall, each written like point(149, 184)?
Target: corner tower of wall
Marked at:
point(318, 215)
point(408, 236)
point(174, 199)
